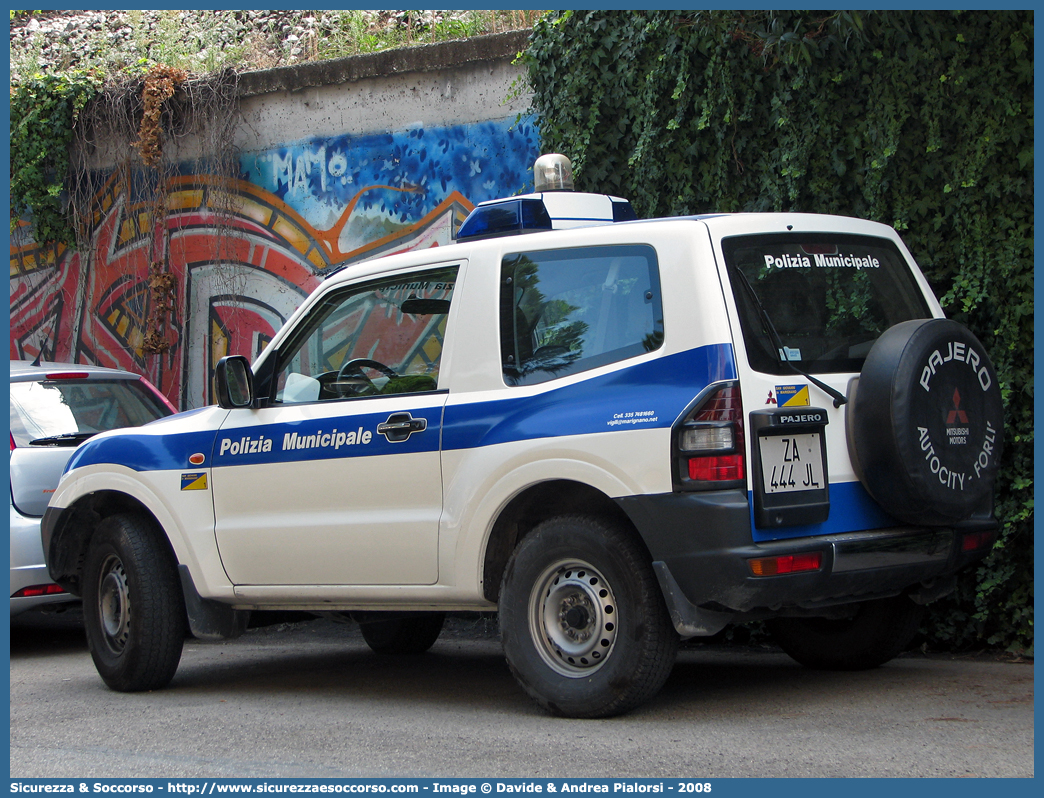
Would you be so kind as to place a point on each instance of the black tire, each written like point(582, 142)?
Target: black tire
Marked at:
point(877, 632)
point(403, 636)
point(926, 423)
point(133, 607)
point(584, 627)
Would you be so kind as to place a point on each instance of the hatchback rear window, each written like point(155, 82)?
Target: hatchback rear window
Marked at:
point(66, 412)
point(828, 297)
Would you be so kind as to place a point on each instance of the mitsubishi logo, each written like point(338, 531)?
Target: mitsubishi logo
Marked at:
point(400, 426)
point(956, 414)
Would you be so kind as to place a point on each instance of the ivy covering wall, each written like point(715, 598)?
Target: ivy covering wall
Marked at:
point(922, 120)
point(44, 110)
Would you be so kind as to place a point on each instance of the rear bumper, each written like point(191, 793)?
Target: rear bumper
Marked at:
point(27, 564)
point(701, 545)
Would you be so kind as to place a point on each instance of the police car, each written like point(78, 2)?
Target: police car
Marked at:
point(617, 433)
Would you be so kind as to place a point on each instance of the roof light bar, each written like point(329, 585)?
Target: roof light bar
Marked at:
point(553, 206)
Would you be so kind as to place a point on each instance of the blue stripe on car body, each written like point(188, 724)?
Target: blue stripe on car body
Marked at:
point(165, 452)
point(665, 386)
point(851, 510)
point(662, 388)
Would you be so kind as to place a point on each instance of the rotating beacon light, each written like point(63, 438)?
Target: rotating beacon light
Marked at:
point(552, 172)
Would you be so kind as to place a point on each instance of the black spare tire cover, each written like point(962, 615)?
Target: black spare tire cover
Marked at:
point(925, 424)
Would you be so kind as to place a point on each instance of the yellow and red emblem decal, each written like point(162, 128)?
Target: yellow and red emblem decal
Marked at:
point(792, 396)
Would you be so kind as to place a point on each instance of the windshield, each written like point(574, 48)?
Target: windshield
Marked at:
point(68, 411)
point(828, 296)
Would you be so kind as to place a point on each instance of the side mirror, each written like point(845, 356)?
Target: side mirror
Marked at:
point(234, 382)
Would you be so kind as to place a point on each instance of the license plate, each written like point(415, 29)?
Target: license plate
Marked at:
point(791, 463)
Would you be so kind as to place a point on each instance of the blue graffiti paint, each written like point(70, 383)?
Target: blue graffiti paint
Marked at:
point(319, 177)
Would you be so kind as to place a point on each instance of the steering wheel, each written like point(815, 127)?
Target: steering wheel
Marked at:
point(355, 368)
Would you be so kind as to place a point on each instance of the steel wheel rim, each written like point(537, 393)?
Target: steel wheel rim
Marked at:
point(114, 604)
point(572, 618)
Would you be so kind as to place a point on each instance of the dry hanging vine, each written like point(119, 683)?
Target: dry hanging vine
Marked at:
point(138, 127)
point(159, 87)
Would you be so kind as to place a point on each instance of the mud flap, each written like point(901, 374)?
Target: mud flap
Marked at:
point(210, 620)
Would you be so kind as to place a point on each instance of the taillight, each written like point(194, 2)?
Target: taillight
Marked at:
point(68, 375)
point(11, 436)
point(976, 540)
point(709, 443)
point(716, 468)
point(33, 591)
point(786, 564)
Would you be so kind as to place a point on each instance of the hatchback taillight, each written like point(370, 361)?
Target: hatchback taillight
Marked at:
point(35, 591)
point(709, 442)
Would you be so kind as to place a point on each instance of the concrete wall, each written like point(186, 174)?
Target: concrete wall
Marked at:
point(339, 161)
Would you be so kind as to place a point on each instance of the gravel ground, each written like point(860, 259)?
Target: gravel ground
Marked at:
point(306, 699)
point(51, 40)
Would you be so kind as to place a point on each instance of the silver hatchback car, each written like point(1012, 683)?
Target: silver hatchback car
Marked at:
point(54, 408)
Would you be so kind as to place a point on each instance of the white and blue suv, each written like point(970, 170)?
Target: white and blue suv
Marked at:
point(616, 433)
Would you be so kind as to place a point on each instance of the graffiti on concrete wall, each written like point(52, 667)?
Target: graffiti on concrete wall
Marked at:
point(244, 253)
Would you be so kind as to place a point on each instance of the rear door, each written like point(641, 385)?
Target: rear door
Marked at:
point(816, 300)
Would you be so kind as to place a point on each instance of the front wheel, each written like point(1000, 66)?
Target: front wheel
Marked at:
point(584, 627)
point(876, 632)
point(133, 608)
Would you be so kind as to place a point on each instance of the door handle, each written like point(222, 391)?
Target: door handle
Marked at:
point(400, 426)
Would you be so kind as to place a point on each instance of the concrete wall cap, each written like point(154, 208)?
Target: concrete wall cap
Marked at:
point(424, 58)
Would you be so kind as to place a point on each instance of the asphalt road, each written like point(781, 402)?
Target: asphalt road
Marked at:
point(311, 700)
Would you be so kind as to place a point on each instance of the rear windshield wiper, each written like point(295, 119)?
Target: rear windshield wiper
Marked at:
point(838, 397)
point(65, 439)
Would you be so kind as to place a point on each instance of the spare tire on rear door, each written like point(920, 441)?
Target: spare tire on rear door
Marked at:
point(925, 423)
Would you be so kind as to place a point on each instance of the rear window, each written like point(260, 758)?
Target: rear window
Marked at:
point(829, 297)
point(567, 311)
point(66, 412)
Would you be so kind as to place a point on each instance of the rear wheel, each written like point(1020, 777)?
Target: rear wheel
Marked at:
point(876, 632)
point(403, 636)
point(584, 627)
point(133, 607)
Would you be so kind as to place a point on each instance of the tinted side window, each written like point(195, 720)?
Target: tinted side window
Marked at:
point(566, 311)
point(376, 339)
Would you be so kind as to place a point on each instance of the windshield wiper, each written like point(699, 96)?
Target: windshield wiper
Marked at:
point(838, 397)
point(65, 439)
